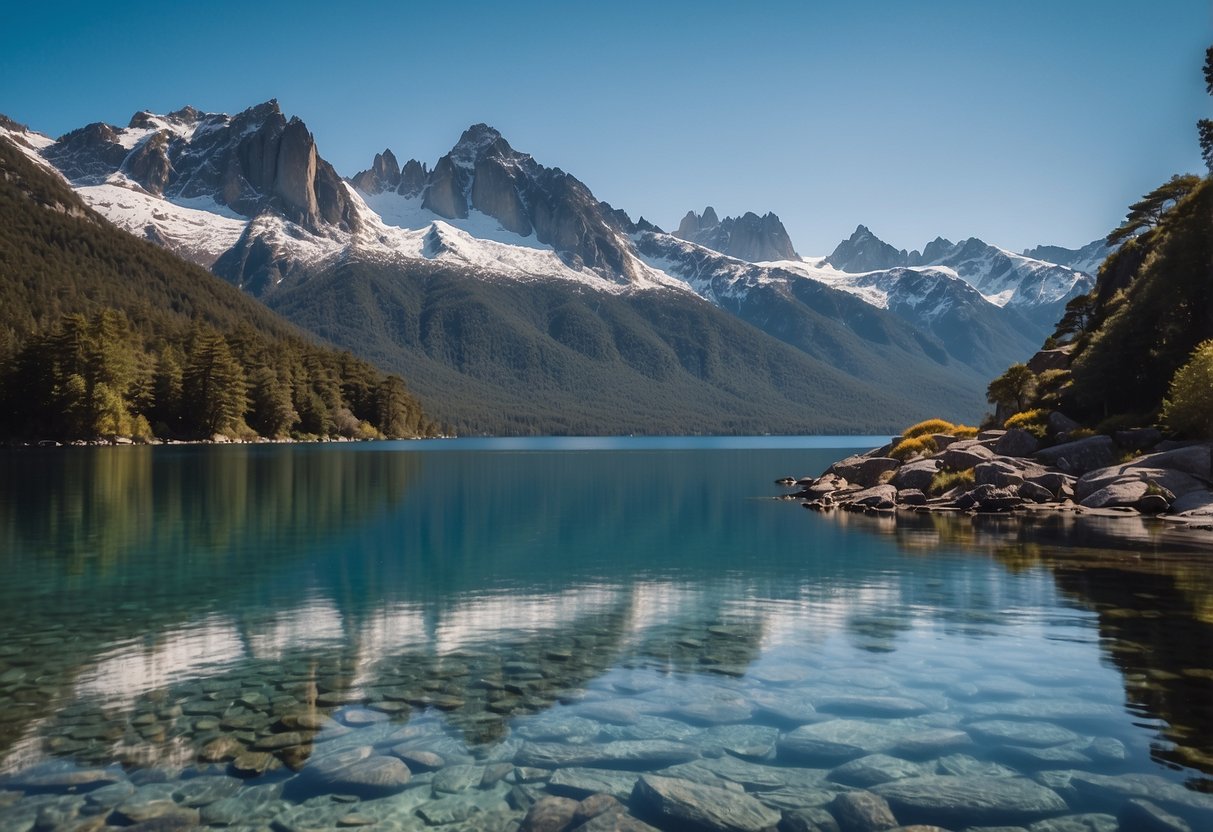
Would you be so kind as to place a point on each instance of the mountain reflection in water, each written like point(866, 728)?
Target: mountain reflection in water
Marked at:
point(186, 607)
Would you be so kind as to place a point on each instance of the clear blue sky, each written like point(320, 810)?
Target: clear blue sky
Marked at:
point(1020, 122)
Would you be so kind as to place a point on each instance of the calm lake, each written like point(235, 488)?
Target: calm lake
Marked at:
point(438, 634)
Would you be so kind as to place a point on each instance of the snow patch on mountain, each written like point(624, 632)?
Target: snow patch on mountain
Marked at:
point(200, 230)
point(929, 290)
point(396, 227)
point(31, 144)
point(407, 212)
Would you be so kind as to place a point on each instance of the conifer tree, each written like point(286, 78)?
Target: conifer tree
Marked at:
point(213, 389)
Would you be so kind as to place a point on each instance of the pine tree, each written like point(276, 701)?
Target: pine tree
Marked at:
point(166, 414)
point(213, 389)
point(1148, 212)
point(1013, 388)
point(392, 411)
point(271, 412)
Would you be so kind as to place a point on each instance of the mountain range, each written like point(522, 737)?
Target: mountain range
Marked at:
point(514, 301)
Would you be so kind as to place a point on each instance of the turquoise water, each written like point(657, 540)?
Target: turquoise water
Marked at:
point(437, 634)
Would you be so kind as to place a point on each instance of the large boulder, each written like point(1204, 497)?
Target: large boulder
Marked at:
point(864, 470)
point(1196, 504)
point(1196, 460)
point(1033, 493)
point(633, 754)
point(1176, 483)
point(549, 814)
point(685, 805)
point(880, 496)
point(998, 473)
point(1057, 482)
point(1016, 442)
point(916, 475)
point(1060, 423)
point(1125, 492)
point(1080, 456)
point(970, 801)
point(861, 811)
point(965, 454)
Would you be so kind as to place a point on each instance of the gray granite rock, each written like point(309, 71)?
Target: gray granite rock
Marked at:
point(1196, 504)
point(868, 705)
point(750, 776)
point(626, 754)
point(1035, 493)
point(878, 496)
point(549, 814)
point(1016, 442)
point(1019, 732)
point(916, 475)
point(965, 765)
point(418, 759)
point(1080, 456)
point(809, 819)
point(77, 780)
point(1196, 460)
point(875, 769)
point(1111, 790)
point(199, 791)
point(694, 806)
point(714, 712)
point(783, 707)
point(374, 776)
point(833, 742)
point(1077, 823)
point(931, 743)
point(998, 473)
point(955, 801)
point(965, 454)
point(748, 741)
point(862, 812)
point(454, 779)
point(863, 470)
point(613, 822)
point(580, 783)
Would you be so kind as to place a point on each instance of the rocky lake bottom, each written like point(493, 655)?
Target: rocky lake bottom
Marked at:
point(617, 638)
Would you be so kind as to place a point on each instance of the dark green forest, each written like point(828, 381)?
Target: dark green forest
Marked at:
point(559, 360)
point(103, 335)
point(1148, 317)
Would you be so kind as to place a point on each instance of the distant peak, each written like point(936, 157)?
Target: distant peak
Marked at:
point(862, 231)
point(477, 136)
point(264, 110)
point(186, 113)
point(146, 118)
point(478, 131)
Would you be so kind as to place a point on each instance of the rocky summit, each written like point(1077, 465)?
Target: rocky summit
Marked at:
point(248, 163)
point(748, 237)
point(483, 173)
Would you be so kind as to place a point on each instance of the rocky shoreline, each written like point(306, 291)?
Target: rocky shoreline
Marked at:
point(1130, 473)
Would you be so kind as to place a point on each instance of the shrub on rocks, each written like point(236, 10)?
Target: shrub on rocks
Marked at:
point(927, 428)
point(946, 481)
point(916, 446)
point(1035, 422)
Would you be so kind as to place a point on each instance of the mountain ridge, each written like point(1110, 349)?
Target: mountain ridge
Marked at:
point(251, 197)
